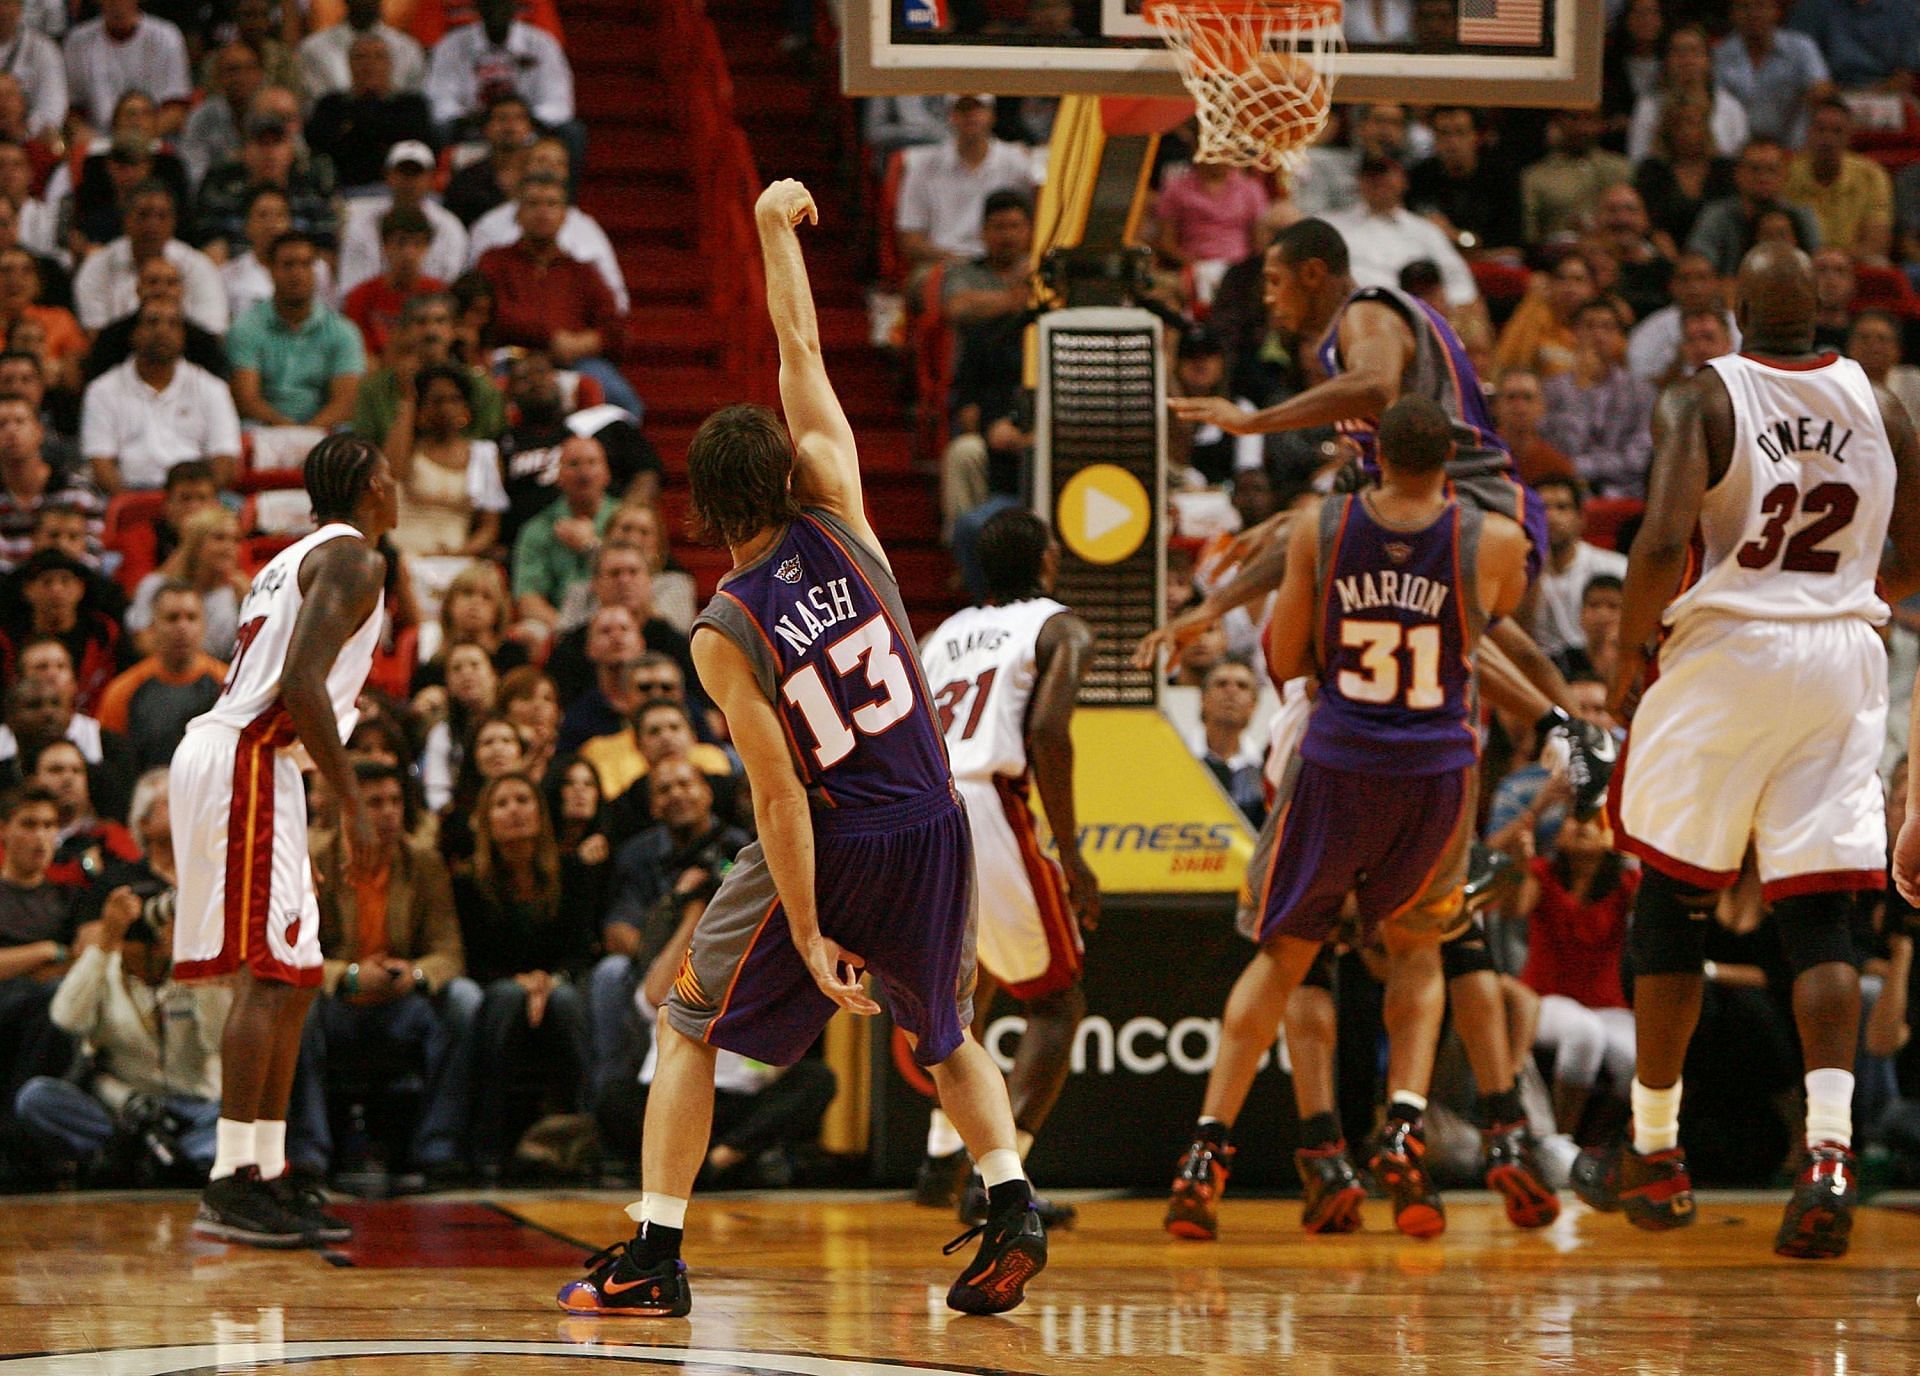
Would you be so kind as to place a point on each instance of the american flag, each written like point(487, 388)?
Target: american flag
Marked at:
point(1508, 23)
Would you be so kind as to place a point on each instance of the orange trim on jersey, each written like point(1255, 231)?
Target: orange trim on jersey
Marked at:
point(1049, 896)
point(1823, 881)
point(739, 969)
point(1461, 592)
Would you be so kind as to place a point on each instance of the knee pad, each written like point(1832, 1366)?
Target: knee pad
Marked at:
point(1467, 953)
point(1816, 929)
point(1670, 917)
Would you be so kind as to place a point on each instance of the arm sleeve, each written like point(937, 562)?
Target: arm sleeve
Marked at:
point(555, 99)
point(175, 81)
point(484, 488)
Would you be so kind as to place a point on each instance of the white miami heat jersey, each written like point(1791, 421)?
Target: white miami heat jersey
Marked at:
point(1793, 531)
point(980, 666)
point(267, 615)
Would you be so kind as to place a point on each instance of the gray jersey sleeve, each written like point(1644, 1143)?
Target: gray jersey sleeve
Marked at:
point(729, 616)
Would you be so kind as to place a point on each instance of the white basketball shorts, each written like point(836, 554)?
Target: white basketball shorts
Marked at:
point(1028, 939)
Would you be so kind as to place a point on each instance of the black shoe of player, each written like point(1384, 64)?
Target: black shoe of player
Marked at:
point(1198, 1182)
point(242, 1208)
point(1334, 1192)
point(1513, 1171)
point(936, 1185)
point(1490, 873)
point(1819, 1221)
point(974, 1208)
point(1398, 1163)
point(1591, 754)
point(302, 1197)
point(1654, 1190)
point(617, 1284)
point(1013, 1250)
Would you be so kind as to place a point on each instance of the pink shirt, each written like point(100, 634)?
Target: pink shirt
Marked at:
point(1213, 222)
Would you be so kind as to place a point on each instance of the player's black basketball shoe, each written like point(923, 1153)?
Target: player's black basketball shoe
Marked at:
point(936, 1185)
point(1198, 1182)
point(1490, 873)
point(1819, 1219)
point(1513, 1172)
point(1654, 1191)
point(1590, 756)
point(243, 1208)
point(973, 1206)
point(1013, 1250)
point(1334, 1192)
point(302, 1198)
point(1398, 1163)
point(617, 1284)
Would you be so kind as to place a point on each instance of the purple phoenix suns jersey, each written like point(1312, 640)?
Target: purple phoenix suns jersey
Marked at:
point(820, 619)
point(1441, 372)
point(1399, 618)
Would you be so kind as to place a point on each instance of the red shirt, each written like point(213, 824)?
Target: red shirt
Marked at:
point(1574, 948)
point(530, 302)
point(375, 307)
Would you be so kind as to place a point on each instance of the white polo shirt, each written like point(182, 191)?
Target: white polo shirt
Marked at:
point(944, 199)
point(100, 71)
point(150, 431)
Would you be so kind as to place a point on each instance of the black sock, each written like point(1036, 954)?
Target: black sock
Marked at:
point(653, 1244)
point(1404, 1112)
point(1009, 1197)
point(1211, 1131)
point(1319, 1130)
point(1498, 1110)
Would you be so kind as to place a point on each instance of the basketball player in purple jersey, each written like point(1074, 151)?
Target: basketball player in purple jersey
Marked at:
point(864, 860)
point(1385, 597)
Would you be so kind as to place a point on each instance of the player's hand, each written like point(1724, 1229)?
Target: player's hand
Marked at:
point(1174, 637)
point(1083, 891)
point(789, 202)
point(1906, 861)
point(1624, 694)
point(837, 972)
point(357, 834)
point(1212, 411)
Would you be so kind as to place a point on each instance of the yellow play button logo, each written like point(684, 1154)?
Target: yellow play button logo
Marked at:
point(1103, 513)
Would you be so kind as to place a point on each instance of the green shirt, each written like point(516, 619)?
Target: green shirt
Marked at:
point(379, 402)
point(542, 564)
point(296, 366)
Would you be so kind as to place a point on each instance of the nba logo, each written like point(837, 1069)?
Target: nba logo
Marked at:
point(789, 570)
point(1398, 551)
point(923, 14)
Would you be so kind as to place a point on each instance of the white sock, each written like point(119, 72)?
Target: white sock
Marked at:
point(1830, 1107)
point(943, 1138)
point(1023, 1143)
point(270, 1147)
point(232, 1148)
point(661, 1210)
point(998, 1167)
point(1416, 1102)
point(1656, 1118)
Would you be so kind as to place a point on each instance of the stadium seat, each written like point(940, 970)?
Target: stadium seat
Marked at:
point(129, 530)
point(1605, 516)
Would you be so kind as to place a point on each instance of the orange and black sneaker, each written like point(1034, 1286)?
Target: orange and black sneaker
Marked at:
point(1819, 1221)
point(1334, 1192)
point(617, 1284)
point(1398, 1164)
point(1198, 1182)
point(1514, 1173)
point(1013, 1250)
point(1654, 1191)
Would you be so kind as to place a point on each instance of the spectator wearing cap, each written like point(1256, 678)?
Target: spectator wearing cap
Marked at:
point(545, 299)
point(1728, 227)
point(499, 53)
point(944, 188)
point(375, 305)
point(47, 598)
point(158, 280)
point(409, 179)
point(29, 483)
point(580, 234)
point(34, 60)
point(212, 133)
point(1383, 236)
point(124, 50)
point(356, 127)
point(272, 156)
point(1849, 194)
point(1208, 217)
point(1558, 192)
point(1777, 74)
point(157, 410)
point(296, 361)
point(1868, 43)
point(986, 299)
point(326, 63)
point(104, 288)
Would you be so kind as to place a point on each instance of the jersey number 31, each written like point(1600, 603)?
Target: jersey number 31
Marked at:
point(1377, 680)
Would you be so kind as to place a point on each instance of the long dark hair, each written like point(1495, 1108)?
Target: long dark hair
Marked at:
point(546, 853)
point(738, 467)
point(568, 832)
point(1606, 875)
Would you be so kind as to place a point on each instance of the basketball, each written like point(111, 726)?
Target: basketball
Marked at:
point(1286, 101)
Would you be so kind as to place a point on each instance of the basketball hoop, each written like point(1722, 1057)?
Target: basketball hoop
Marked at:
point(1258, 72)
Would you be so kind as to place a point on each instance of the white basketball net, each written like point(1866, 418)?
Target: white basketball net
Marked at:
point(1250, 114)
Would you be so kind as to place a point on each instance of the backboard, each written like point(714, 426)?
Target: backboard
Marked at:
point(1539, 53)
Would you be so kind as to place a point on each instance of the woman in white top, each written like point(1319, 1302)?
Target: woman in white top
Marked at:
point(208, 557)
point(451, 494)
point(1688, 69)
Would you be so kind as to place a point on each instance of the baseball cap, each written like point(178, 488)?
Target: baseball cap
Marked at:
point(960, 102)
point(410, 150)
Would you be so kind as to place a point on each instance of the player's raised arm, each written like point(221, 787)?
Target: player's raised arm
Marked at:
point(1061, 656)
point(826, 468)
point(340, 585)
point(1900, 565)
point(1290, 628)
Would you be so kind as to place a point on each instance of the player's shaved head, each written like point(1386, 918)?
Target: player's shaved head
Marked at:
point(1777, 298)
point(1416, 435)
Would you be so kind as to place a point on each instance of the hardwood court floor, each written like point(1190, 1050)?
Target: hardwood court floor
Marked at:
point(853, 1286)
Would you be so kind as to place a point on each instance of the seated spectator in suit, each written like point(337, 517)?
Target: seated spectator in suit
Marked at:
point(150, 704)
point(580, 234)
point(50, 600)
point(395, 998)
point(476, 61)
point(409, 181)
point(28, 481)
point(296, 361)
point(212, 134)
point(245, 275)
point(545, 299)
point(554, 550)
point(357, 126)
point(490, 181)
point(37, 936)
point(376, 304)
point(157, 410)
point(270, 155)
point(105, 288)
point(326, 53)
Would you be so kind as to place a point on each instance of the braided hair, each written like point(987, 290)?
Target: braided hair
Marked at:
point(336, 474)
